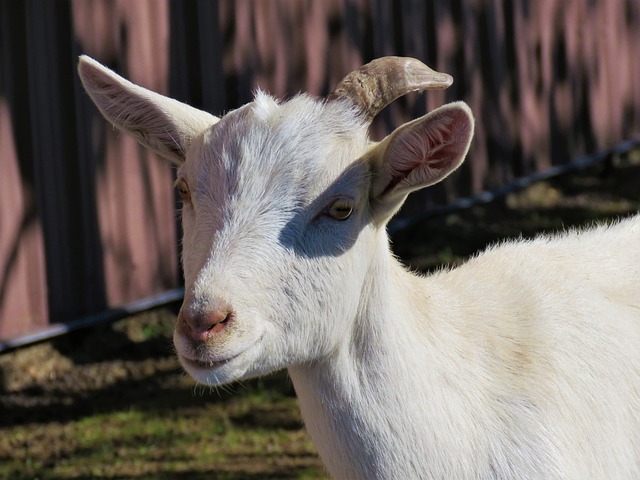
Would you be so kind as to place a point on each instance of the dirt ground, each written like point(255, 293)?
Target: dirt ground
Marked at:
point(55, 394)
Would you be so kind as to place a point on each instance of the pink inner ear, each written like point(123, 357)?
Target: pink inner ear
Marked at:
point(427, 151)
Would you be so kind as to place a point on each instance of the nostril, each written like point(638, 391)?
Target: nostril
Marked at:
point(219, 321)
point(200, 325)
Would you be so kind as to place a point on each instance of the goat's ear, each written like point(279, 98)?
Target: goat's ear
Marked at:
point(418, 154)
point(161, 124)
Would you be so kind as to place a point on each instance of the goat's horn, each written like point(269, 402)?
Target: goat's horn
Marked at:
point(378, 83)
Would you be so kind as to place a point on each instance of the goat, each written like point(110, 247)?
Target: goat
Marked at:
point(522, 363)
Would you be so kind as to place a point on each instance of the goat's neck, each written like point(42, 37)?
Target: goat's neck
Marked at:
point(354, 403)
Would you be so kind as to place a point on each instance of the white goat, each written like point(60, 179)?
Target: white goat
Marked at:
point(524, 363)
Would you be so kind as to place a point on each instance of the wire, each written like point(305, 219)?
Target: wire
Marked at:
point(399, 224)
point(105, 316)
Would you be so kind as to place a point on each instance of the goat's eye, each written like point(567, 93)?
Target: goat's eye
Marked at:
point(340, 209)
point(183, 191)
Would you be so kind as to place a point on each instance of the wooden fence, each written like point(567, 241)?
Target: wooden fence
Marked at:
point(87, 217)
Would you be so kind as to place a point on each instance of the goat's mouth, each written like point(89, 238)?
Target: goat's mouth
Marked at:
point(200, 364)
point(214, 364)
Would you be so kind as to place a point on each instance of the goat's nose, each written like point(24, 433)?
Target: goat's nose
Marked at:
point(199, 326)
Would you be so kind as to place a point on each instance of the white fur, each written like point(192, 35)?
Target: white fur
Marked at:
point(524, 363)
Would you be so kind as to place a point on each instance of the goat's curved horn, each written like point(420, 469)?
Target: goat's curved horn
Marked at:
point(378, 83)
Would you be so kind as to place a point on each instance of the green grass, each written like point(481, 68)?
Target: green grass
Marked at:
point(254, 434)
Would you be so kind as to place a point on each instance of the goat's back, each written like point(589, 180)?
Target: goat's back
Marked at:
point(553, 326)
